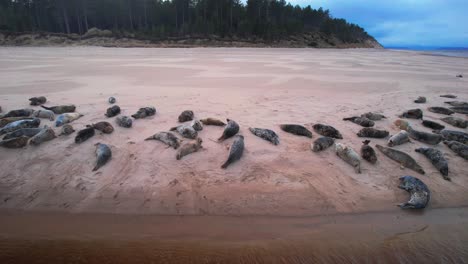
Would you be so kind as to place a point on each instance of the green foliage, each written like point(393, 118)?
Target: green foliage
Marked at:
point(266, 19)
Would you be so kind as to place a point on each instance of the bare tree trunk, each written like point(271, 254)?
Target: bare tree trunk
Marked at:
point(130, 16)
point(145, 15)
point(65, 17)
point(230, 17)
point(85, 12)
point(176, 18)
point(78, 21)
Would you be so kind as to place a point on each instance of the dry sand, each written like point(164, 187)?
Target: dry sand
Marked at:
point(255, 87)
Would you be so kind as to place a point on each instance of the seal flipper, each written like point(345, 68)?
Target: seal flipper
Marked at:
point(45, 107)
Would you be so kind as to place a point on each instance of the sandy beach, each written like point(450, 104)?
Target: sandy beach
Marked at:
point(255, 87)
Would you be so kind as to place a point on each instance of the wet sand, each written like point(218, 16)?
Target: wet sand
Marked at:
point(255, 87)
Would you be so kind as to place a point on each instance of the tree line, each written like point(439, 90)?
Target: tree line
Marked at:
point(266, 19)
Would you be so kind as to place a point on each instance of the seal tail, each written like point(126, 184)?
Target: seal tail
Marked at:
point(45, 107)
point(150, 138)
point(173, 129)
point(96, 168)
point(348, 119)
point(226, 164)
point(221, 138)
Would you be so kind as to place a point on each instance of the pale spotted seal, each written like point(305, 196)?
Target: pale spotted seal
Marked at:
point(103, 126)
point(449, 96)
point(212, 122)
point(185, 130)
point(420, 100)
point(46, 134)
point(27, 132)
point(66, 130)
point(124, 121)
point(373, 116)
point(440, 110)
point(19, 113)
point(17, 142)
point(44, 114)
point(112, 111)
point(189, 148)
point(362, 121)
point(296, 130)
point(459, 148)
point(368, 153)
point(455, 121)
point(13, 126)
point(103, 155)
point(327, 131)
point(457, 103)
point(428, 138)
point(167, 138)
point(452, 135)
point(413, 113)
point(197, 125)
point(84, 135)
point(112, 100)
point(402, 158)
point(61, 109)
point(322, 143)
point(66, 118)
point(144, 112)
point(419, 193)
point(349, 155)
point(460, 109)
point(266, 134)
point(37, 100)
point(399, 138)
point(185, 116)
point(230, 130)
point(7, 120)
point(437, 159)
point(372, 133)
point(236, 150)
point(432, 124)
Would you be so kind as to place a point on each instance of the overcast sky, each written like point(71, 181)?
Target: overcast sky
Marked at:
point(404, 22)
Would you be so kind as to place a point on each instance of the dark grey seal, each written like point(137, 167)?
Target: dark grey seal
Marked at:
point(61, 109)
point(419, 193)
point(449, 96)
point(235, 152)
point(359, 120)
point(185, 116)
point(401, 157)
point(103, 126)
point(420, 100)
point(112, 111)
point(212, 122)
point(7, 120)
point(322, 143)
point(144, 112)
point(266, 134)
point(428, 138)
point(27, 132)
point(432, 124)
point(124, 121)
point(167, 138)
point(103, 154)
point(413, 113)
point(46, 134)
point(373, 133)
point(460, 109)
point(37, 100)
point(230, 130)
point(368, 153)
point(297, 130)
point(17, 142)
point(27, 123)
point(455, 121)
point(457, 103)
point(19, 113)
point(452, 135)
point(440, 110)
point(459, 148)
point(327, 131)
point(373, 116)
point(84, 135)
point(437, 159)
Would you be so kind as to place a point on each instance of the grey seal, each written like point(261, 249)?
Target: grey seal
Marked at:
point(457, 103)
point(17, 142)
point(112, 111)
point(327, 131)
point(197, 125)
point(212, 122)
point(61, 109)
point(296, 130)
point(144, 112)
point(7, 120)
point(399, 138)
point(322, 143)
point(455, 121)
point(44, 114)
point(460, 109)
point(46, 134)
point(66, 118)
point(84, 135)
point(103, 155)
point(373, 133)
point(189, 148)
point(185, 116)
point(27, 132)
point(167, 138)
point(13, 126)
point(37, 100)
point(235, 152)
point(419, 193)
point(349, 155)
point(103, 126)
point(124, 121)
point(373, 116)
point(459, 148)
point(401, 157)
point(230, 130)
point(66, 130)
point(420, 100)
point(437, 159)
point(428, 138)
point(19, 113)
point(266, 134)
point(440, 110)
point(368, 153)
point(112, 100)
point(453, 135)
point(432, 124)
point(187, 131)
point(449, 96)
point(413, 113)
point(359, 120)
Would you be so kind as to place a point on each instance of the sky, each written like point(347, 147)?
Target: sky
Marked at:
point(404, 23)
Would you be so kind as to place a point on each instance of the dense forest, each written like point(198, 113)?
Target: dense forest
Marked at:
point(265, 19)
